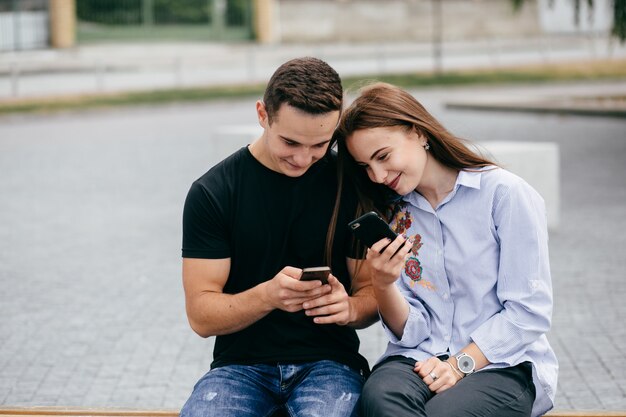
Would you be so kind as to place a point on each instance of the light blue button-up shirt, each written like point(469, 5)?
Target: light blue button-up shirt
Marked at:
point(479, 271)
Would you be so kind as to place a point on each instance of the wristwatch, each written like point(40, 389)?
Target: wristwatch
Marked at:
point(465, 363)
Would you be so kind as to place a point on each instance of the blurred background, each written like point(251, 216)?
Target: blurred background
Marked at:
point(60, 47)
point(109, 109)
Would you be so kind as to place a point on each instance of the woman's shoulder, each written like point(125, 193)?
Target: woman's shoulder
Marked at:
point(501, 182)
point(498, 177)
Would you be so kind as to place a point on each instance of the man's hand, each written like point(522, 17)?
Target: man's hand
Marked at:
point(334, 307)
point(286, 292)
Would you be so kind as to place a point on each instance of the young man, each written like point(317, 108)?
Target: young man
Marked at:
point(250, 225)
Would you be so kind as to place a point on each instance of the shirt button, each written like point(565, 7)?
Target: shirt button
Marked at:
point(445, 296)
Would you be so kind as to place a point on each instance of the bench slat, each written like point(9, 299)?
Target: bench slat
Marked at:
point(121, 412)
point(64, 411)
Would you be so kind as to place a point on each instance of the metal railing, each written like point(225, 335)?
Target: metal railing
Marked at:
point(144, 67)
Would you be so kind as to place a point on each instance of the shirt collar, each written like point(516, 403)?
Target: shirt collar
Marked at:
point(470, 179)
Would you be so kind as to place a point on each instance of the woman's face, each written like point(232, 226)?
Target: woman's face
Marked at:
point(391, 156)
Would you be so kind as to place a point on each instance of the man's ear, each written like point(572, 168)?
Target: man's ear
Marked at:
point(261, 113)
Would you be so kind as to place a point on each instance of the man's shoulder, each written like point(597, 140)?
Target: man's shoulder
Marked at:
point(220, 180)
point(227, 166)
point(331, 158)
point(326, 166)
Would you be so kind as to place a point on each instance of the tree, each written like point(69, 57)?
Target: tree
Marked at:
point(619, 15)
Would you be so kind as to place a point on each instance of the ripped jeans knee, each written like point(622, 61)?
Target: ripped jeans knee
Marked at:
point(323, 388)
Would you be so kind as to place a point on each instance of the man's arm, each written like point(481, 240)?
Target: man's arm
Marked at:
point(363, 298)
point(211, 312)
point(358, 310)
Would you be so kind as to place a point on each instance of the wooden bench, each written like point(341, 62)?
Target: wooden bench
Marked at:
point(120, 412)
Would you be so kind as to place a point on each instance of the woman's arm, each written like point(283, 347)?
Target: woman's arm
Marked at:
point(385, 269)
point(524, 286)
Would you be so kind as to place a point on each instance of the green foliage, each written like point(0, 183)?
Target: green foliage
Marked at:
point(125, 12)
point(517, 4)
point(619, 24)
point(109, 11)
point(237, 12)
point(181, 11)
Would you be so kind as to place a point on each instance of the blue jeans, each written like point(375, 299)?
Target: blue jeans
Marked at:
point(324, 389)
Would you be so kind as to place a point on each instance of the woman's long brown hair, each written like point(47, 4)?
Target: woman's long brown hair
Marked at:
point(385, 105)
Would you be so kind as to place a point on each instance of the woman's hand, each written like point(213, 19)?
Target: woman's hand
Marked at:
point(387, 266)
point(437, 374)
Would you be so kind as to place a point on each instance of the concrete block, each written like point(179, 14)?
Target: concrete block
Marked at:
point(373, 342)
point(537, 163)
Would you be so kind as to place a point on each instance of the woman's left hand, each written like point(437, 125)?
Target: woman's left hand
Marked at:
point(387, 260)
point(437, 374)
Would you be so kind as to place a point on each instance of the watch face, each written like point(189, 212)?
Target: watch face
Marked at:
point(466, 364)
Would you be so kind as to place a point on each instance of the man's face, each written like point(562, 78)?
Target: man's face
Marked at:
point(295, 140)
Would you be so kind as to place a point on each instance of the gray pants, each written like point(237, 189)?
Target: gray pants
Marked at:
point(394, 390)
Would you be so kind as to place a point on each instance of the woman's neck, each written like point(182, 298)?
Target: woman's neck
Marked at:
point(437, 181)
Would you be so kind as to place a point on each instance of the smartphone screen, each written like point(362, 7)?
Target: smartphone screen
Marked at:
point(319, 273)
point(370, 228)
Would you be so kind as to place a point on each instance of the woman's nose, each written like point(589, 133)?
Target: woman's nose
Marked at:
point(377, 175)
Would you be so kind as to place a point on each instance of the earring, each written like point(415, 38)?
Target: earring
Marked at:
point(427, 146)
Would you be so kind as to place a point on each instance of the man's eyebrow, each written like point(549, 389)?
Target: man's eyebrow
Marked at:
point(295, 141)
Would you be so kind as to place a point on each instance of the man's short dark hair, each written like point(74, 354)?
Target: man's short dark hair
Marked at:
point(308, 84)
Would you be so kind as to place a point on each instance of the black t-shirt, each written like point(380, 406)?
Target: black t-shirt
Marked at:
point(264, 221)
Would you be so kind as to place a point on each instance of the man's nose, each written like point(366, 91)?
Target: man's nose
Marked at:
point(302, 158)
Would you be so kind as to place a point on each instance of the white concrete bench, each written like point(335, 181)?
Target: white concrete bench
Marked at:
point(537, 163)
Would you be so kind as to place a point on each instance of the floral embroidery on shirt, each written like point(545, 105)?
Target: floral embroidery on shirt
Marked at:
point(401, 222)
point(413, 269)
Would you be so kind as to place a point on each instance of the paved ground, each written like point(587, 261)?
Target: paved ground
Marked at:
point(91, 307)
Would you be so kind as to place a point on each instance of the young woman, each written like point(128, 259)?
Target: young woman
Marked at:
point(467, 303)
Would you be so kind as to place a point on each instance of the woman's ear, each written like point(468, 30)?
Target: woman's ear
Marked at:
point(421, 138)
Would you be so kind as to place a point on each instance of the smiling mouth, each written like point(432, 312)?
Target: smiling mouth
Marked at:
point(393, 184)
point(295, 167)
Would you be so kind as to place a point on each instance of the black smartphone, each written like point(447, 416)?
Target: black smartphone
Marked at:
point(316, 273)
point(370, 228)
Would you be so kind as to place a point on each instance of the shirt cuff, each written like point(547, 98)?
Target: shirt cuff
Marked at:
point(415, 330)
